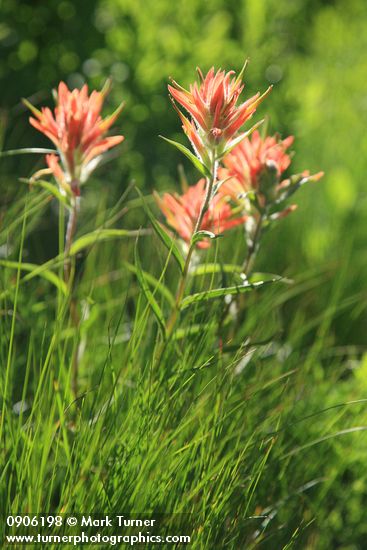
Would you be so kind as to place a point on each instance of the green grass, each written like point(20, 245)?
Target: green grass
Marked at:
point(259, 441)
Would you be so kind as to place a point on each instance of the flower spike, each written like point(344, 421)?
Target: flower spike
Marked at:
point(182, 211)
point(255, 167)
point(78, 131)
point(213, 104)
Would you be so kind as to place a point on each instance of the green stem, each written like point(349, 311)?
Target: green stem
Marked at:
point(61, 253)
point(247, 266)
point(70, 232)
point(171, 323)
point(253, 247)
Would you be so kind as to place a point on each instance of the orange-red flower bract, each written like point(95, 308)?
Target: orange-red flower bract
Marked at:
point(77, 130)
point(257, 165)
point(245, 164)
point(52, 162)
point(212, 104)
point(182, 212)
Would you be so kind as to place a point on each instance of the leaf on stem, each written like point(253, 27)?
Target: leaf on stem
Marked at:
point(209, 269)
point(221, 292)
point(27, 151)
point(266, 277)
point(194, 160)
point(48, 186)
point(202, 234)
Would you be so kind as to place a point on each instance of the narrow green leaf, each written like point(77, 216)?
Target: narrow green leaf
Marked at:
point(107, 122)
point(218, 185)
point(48, 186)
point(163, 235)
point(31, 107)
point(209, 269)
point(160, 287)
point(99, 235)
point(37, 270)
point(27, 151)
point(242, 72)
point(221, 292)
point(266, 277)
point(319, 440)
point(148, 294)
point(194, 160)
point(181, 333)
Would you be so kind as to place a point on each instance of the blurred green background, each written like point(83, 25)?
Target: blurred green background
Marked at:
point(313, 51)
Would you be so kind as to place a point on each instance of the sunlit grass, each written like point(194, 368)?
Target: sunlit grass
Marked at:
point(249, 439)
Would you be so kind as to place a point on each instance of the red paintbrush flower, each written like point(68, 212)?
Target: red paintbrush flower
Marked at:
point(245, 164)
point(257, 164)
point(212, 104)
point(78, 131)
point(182, 212)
